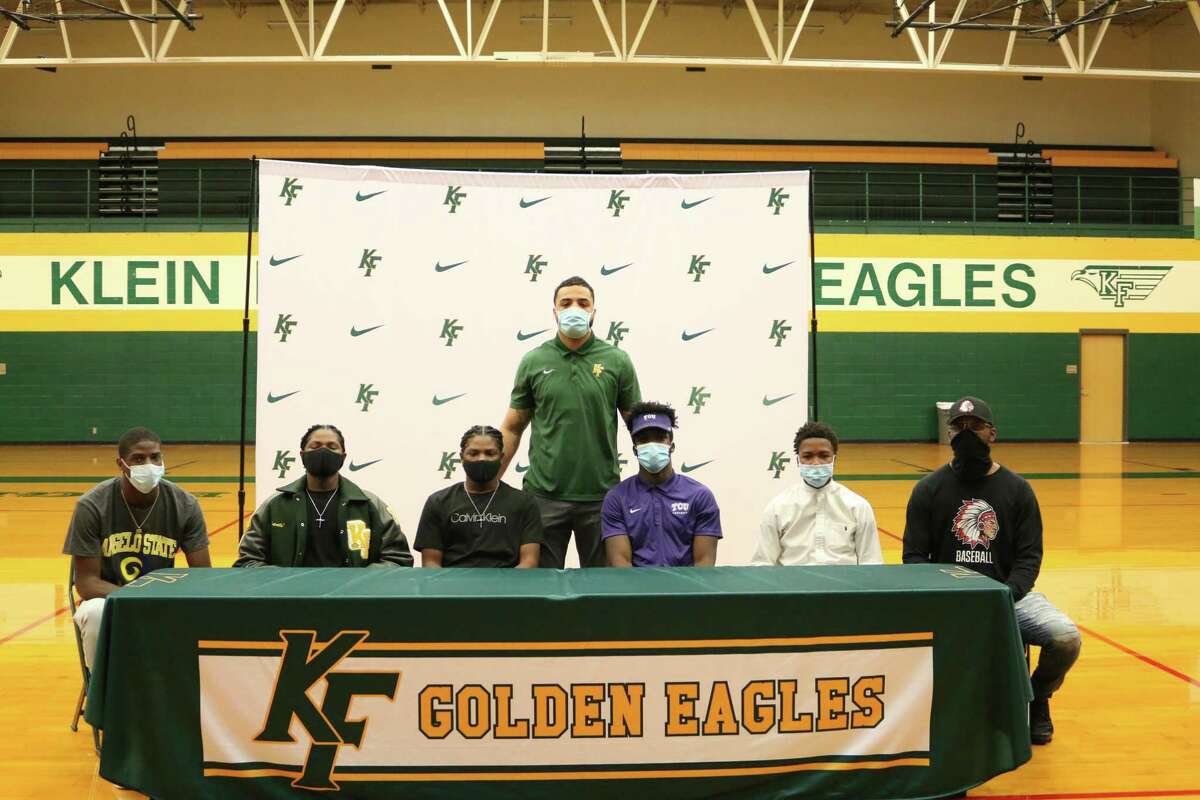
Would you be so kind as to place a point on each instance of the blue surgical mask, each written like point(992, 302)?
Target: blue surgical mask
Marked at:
point(574, 322)
point(817, 475)
point(654, 457)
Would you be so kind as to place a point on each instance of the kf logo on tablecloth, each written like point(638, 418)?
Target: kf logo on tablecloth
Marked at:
point(616, 201)
point(283, 462)
point(301, 668)
point(534, 267)
point(616, 333)
point(450, 331)
point(369, 261)
point(779, 462)
point(699, 267)
point(779, 331)
point(699, 398)
point(284, 326)
point(366, 395)
point(450, 461)
point(454, 197)
point(777, 199)
point(291, 187)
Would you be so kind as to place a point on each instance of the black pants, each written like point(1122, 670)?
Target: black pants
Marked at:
point(560, 518)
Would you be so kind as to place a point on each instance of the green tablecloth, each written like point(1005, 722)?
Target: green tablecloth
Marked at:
point(670, 683)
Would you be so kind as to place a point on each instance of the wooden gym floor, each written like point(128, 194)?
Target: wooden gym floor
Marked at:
point(1122, 559)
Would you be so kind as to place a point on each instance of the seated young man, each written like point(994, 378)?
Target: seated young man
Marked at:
point(482, 521)
point(659, 518)
point(323, 519)
point(817, 521)
point(128, 526)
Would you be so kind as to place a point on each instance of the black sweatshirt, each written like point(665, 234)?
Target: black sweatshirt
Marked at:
point(992, 525)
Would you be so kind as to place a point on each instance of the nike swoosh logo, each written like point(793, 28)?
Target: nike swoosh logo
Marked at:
point(275, 262)
point(768, 270)
point(522, 468)
point(441, 401)
point(691, 467)
point(634, 510)
point(359, 196)
point(356, 332)
point(685, 205)
point(356, 467)
point(770, 401)
point(687, 337)
point(522, 336)
point(275, 398)
point(530, 203)
point(547, 371)
point(438, 267)
point(611, 270)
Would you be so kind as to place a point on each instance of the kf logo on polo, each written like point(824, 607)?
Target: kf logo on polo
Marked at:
point(366, 395)
point(291, 187)
point(369, 262)
point(454, 197)
point(283, 462)
point(616, 201)
point(284, 326)
point(450, 331)
point(328, 727)
point(779, 331)
point(534, 267)
point(777, 199)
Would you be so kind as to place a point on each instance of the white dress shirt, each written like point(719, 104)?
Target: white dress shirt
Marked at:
point(807, 526)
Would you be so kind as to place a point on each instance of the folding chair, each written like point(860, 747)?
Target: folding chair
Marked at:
point(84, 671)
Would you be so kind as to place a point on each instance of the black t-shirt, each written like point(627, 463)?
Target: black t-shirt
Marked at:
point(324, 540)
point(469, 537)
point(991, 525)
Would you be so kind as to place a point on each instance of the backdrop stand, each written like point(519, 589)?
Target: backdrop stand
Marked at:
point(812, 293)
point(251, 219)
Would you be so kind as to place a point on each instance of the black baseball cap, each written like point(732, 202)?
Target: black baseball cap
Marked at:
point(971, 407)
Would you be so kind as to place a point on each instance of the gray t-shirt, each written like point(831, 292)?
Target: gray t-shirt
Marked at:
point(102, 527)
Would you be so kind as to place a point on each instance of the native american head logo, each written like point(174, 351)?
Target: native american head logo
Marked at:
point(976, 524)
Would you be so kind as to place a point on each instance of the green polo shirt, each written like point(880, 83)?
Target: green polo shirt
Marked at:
point(574, 397)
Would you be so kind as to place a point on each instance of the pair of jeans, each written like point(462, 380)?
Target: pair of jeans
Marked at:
point(559, 519)
point(1044, 626)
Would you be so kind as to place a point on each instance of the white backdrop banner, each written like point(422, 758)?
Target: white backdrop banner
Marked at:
point(396, 304)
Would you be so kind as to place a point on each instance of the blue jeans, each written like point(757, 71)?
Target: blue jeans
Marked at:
point(1044, 626)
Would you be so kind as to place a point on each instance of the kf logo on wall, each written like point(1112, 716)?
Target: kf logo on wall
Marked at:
point(366, 395)
point(327, 727)
point(369, 262)
point(291, 187)
point(284, 326)
point(454, 197)
point(283, 462)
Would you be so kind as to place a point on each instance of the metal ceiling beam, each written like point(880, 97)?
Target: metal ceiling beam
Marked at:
point(912, 34)
point(908, 19)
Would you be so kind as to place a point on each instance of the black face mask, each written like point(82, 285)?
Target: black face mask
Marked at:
point(322, 462)
point(481, 471)
point(972, 455)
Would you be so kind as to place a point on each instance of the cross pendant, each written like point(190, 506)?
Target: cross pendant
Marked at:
point(320, 521)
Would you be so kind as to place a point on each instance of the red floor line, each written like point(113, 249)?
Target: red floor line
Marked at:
point(64, 609)
point(1147, 659)
point(33, 625)
point(1094, 795)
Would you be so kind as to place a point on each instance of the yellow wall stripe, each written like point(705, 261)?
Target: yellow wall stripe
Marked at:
point(1002, 322)
point(116, 320)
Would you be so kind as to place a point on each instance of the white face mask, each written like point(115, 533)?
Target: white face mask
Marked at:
point(145, 477)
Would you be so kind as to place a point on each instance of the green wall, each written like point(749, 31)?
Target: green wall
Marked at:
point(872, 386)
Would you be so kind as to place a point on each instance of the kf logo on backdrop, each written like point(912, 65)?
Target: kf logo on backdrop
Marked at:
point(369, 262)
point(450, 331)
point(300, 669)
point(450, 461)
point(291, 187)
point(454, 197)
point(616, 333)
point(779, 331)
point(616, 201)
point(284, 326)
point(777, 199)
point(366, 395)
point(698, 399)
point(283, 462)
point(699, 267)
point(534, 267)
point(779, 462)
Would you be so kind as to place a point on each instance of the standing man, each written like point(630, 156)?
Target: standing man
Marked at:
point(481, 522)
point(981, 515)
point(323, 519)
point(571, 388)
point(128, 526)
point(659, 518)
point(817, 521)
